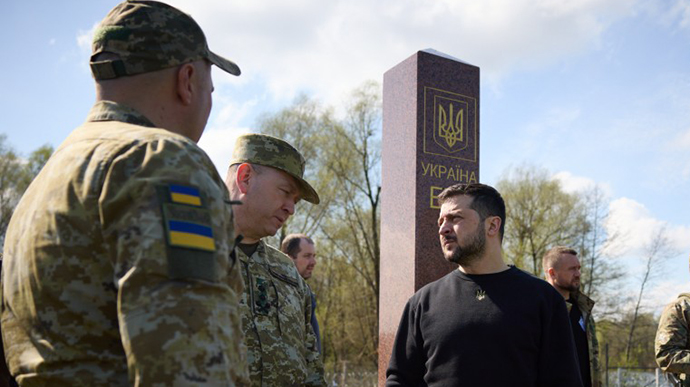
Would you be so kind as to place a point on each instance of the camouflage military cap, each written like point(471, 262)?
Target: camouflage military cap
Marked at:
point(273, 152)
point(149, 36)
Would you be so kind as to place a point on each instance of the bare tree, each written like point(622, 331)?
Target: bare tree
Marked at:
point(539, 215)
point(600, 275)
point(655, 252)
point(354, 161)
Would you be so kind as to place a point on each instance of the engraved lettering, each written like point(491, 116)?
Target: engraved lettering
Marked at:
point(433, 200)
point(452, 174)
point(434, 170)
point(426, 167)
point(442, 170)
point(464, 175)
point(473, 178)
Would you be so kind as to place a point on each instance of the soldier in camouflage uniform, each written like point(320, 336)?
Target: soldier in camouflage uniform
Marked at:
point(672, 343)
point(562, 269)
point(117, 261)
point(266, 175)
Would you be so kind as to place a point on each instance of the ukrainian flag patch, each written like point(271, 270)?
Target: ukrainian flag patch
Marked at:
point(190, 235)
point(184, 195)
point(188, 223)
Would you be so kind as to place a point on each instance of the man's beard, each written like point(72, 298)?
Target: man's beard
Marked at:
point(473, 251)
point(572, 287)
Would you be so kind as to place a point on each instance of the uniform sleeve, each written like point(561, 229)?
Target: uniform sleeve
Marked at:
point(315, 369)
point(558, 366)
point(406, 366)
point(167, 227)
point(671, 343)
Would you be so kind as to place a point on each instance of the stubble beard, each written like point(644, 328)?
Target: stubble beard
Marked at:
point(572, 287)
point(472, 252)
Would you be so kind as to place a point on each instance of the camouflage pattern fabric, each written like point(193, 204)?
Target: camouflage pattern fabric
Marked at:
point(116, 264)
point(276, 317)
point(149, 36)
point(586, 304)
point(672, 343)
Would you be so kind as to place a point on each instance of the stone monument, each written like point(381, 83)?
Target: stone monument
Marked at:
point(430, 141)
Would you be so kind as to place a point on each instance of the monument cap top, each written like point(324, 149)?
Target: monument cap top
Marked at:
point(273, 152)
point(147, 36)
point(439, 53)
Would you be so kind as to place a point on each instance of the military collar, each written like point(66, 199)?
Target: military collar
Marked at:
point(248, 249)
point(584, 303)
point(256, 255)
point(113, 111)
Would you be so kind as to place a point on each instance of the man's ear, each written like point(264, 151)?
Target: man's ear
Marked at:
point(185, 83)
point(494, 225)
point(244, 176)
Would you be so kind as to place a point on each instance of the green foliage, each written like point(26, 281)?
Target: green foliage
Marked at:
point(539, 215)
point(614, 332)
point(15, 176)
point(37, 159)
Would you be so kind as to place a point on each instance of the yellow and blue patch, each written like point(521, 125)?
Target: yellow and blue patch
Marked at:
point(190, 235)
point(184, 195)
point(189, 232)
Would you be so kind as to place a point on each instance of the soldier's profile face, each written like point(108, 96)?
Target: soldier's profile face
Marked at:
point(269, 202)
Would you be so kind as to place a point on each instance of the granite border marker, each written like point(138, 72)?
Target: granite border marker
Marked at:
point(430, 141)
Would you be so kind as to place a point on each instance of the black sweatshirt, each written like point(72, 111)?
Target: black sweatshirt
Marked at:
point(502, 329)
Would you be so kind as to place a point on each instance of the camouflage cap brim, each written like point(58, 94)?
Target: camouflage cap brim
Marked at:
point(224, 64)
point(308, 192)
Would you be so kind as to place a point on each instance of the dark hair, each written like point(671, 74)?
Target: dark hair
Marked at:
point(550, 259)
point(290, 245)
point(485, 200)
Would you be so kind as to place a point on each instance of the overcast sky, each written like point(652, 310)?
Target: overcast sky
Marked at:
point(597, 91)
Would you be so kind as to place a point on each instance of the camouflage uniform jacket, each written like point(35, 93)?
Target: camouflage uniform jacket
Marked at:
point(276, 317)
point(586, 304)
point(116, 264)
point(672, 343)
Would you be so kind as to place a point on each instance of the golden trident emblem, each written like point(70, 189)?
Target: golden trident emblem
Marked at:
point(480, 294)
point(449, 126)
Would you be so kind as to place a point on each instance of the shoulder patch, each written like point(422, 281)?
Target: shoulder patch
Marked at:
point(188, 232)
